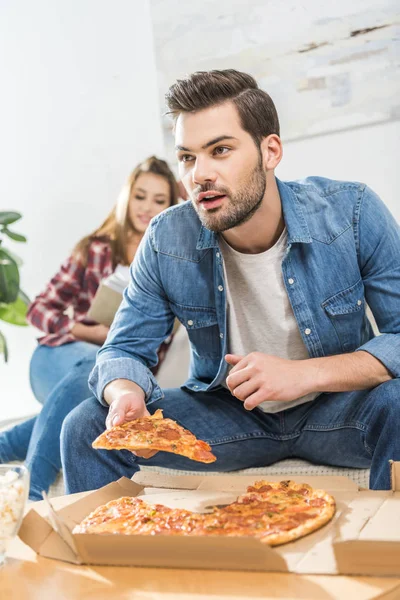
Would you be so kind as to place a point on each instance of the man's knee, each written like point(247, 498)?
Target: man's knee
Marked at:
point(79, 423)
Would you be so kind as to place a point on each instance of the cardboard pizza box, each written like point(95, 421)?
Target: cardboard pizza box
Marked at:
point(363, 538)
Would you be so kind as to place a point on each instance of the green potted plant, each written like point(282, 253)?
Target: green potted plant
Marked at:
point(13, 301)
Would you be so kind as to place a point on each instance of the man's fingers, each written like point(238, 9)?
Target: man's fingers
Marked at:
point(245, 390)
point(233, 359)
point(145, 453)
point(254, 400)
point(238, 362)
point(235, 379)
point(131, 415)
point(126, 408)
point(113, 418)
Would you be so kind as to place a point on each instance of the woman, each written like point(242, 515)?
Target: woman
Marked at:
point(62, 361)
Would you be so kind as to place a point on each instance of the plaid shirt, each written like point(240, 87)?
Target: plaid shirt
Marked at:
point(72, 289)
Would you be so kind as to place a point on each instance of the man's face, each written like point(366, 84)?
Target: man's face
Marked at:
point(220, 166)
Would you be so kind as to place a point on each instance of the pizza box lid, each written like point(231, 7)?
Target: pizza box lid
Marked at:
point(352, 543)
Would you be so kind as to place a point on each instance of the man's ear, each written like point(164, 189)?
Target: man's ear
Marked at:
point(272, 151)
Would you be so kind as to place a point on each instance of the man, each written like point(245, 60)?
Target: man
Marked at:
point(271, 281)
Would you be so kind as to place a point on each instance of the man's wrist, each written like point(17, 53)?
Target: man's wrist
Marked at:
point(313, 376)
point(117, 388)
point(345, 372)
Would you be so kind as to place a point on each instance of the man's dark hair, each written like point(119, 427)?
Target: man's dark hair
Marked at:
point(204, 89)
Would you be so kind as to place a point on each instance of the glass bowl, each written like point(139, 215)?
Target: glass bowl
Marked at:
point(14, 488)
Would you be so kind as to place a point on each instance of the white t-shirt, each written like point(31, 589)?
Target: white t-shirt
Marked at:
point(260, 316)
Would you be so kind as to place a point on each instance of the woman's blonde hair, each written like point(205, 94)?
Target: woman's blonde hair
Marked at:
point(116, 226)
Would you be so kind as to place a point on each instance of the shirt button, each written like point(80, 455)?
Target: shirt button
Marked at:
point(291, 281)
point(221, 288)
point(307, 331)
point(218, 255)
point(359, 302)
point(196, 387)
point(221, 335)
point(190, 322)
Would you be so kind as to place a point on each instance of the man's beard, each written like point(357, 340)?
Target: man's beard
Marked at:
point(241, 206)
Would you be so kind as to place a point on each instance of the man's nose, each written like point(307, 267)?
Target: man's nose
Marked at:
point(203, 172)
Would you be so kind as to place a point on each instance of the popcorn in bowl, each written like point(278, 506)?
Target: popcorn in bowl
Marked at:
point(13, 493)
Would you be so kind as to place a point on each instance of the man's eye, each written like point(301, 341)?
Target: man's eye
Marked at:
point(221, 150)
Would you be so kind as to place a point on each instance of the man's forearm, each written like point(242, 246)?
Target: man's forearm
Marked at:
point(347, 372)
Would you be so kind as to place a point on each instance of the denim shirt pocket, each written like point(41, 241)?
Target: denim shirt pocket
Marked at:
point(202, 327)
point(346, 310)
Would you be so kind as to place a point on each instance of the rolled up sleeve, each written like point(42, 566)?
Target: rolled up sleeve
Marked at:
point(379, 255)
point(143, 321)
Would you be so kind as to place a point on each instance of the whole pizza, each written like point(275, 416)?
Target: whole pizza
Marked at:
point(273, 512)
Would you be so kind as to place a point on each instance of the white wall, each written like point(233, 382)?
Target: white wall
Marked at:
point(78, 109)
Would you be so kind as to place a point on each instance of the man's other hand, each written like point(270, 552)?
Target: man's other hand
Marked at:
point(259, 377)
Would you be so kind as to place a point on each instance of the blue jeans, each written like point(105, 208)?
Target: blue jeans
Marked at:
point(59, 378)
point(351, 429)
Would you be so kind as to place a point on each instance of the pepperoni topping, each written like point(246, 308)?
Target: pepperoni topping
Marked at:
point(261, 490)
point(301, 516)
point(141, 425)
point(317, 502)
point(264, 488)
point(204, 455)
point(286, 525)
point(169, 434)
point(301, 492)
point(115, 434)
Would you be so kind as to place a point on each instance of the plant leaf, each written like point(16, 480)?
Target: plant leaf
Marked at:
point(14, 313)
point(17, 237)
point(9, 216)
point(9, 278)
point(14, 256)
point(3, 347)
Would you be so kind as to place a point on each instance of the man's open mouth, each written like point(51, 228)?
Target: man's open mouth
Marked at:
point(210, 199)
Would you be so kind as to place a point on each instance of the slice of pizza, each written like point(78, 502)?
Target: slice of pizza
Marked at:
point(155, 433)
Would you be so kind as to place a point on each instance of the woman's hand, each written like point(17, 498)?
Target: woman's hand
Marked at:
point(95, 334)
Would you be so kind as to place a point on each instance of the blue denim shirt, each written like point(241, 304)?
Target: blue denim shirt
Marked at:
point(343, 251)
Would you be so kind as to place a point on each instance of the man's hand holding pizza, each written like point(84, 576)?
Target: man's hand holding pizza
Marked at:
point(127, 403)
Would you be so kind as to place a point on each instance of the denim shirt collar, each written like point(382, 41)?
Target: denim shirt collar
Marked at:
point(293, 214)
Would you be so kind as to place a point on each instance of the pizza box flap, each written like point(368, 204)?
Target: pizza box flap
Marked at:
point(370, 541)
point(39, 534)
point(43, 530)
point(238, 483)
